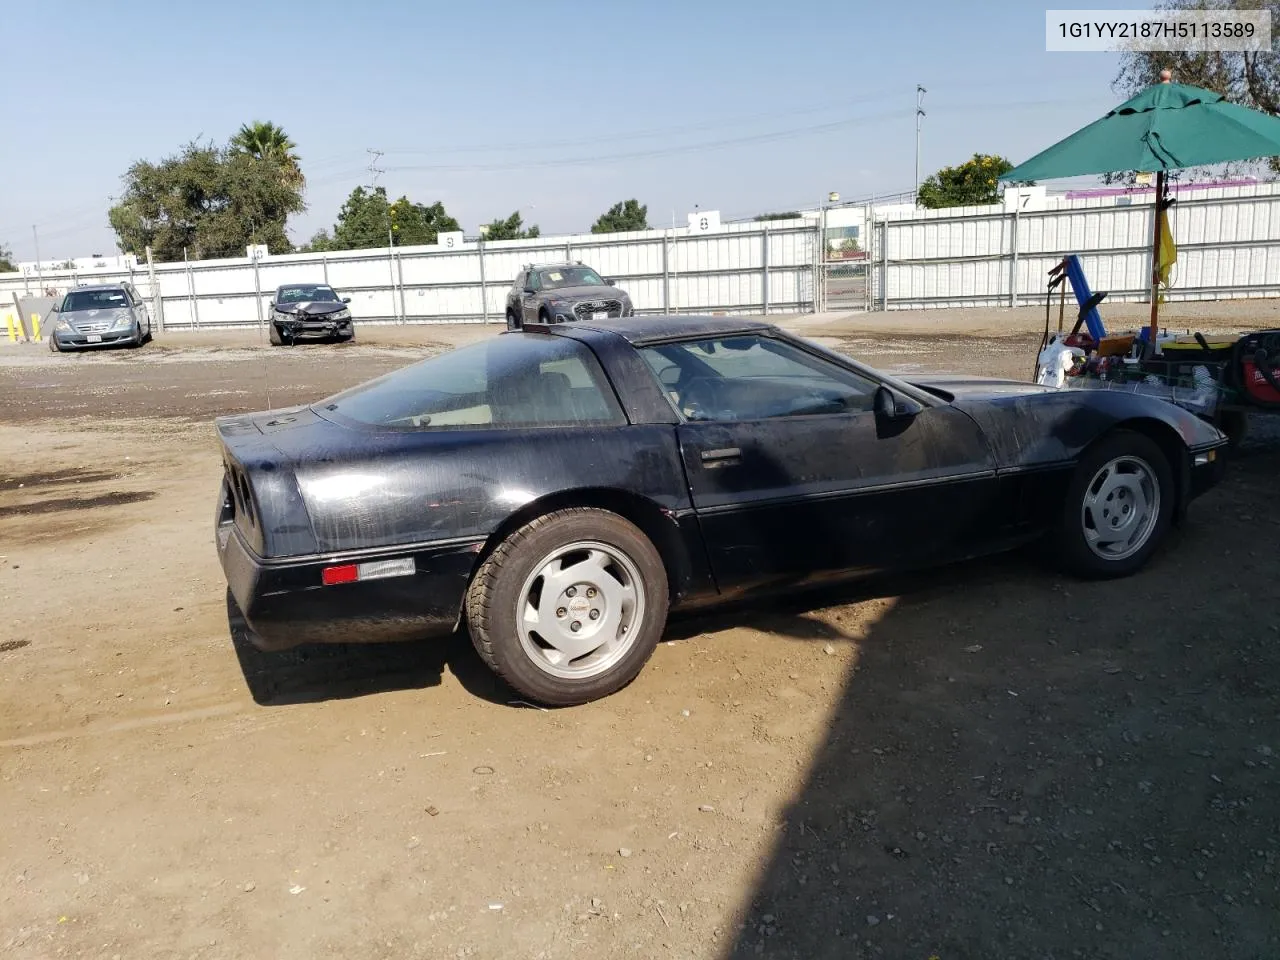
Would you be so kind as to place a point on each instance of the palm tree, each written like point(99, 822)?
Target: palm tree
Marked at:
point(266, 141)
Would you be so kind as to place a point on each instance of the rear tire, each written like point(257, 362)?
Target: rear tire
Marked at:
point(569, 607)
point(1119, 506)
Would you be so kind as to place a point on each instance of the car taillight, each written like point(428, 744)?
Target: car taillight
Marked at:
point(372, 570)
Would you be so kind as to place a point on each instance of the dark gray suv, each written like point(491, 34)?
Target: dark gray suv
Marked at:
point(560, 292)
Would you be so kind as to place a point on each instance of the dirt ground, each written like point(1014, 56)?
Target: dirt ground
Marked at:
point(987, 761)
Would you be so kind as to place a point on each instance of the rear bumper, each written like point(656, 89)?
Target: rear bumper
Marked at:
point(285, 604)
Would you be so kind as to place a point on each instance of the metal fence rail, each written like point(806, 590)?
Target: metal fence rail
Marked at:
point(742, 268)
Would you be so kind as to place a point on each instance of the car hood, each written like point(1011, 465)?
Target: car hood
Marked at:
point(591, 292)
point(311, 308)
point(960, 387)
point(94, 317)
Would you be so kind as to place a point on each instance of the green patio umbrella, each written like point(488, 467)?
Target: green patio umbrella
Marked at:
point(1168, 126)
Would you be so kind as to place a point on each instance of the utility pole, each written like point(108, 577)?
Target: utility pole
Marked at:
point(39, 275)
point(920, 92)
point(374, 172)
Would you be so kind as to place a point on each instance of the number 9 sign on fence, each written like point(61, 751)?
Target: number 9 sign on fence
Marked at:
point(449, 241)
point(705, 221)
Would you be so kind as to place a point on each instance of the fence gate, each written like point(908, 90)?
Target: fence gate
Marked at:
point(845, 285)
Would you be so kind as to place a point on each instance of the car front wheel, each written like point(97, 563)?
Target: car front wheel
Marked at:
point(570, 606)
point(1118, 507)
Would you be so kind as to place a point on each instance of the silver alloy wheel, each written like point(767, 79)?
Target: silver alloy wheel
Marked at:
point(1121, 507)
point(580, 610)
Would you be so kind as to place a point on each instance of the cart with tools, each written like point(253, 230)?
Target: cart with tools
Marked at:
point(1219, 378)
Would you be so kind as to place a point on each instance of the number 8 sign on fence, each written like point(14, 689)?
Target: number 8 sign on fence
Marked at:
point(705, 221)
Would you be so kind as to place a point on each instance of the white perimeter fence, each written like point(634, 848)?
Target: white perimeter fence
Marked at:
point(740, 268)
point(1228, 241)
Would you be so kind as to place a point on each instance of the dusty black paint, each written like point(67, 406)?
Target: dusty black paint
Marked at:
point(980, 467)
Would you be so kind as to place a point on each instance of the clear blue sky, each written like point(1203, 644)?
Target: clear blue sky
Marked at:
point(559, 108)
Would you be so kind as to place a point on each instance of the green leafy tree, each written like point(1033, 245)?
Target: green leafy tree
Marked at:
point(367, 215)
point(510, 229)
point(787, 215)
point(269, 143)
point(621, 217)
point(974, 183)
point(320, 241)
point(1249, 78)
point(213, 201)
point(6, 261)
point(418, 223)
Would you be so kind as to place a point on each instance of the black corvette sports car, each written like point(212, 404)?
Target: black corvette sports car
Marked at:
point(560, 489)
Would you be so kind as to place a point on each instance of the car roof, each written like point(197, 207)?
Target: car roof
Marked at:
point(639, 331)
point(100, 286)
point(306, 283)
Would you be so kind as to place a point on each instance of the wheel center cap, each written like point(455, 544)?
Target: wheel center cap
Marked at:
point(579, 605)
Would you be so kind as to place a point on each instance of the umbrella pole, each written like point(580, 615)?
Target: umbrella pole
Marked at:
point(1155, 258)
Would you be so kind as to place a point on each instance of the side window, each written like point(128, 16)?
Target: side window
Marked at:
point(535, 280)
point(752, 377)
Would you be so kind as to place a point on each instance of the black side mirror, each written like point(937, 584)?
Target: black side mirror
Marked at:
point(890, 408)
point(346, 299)
point(271, 305)
point(610, 282)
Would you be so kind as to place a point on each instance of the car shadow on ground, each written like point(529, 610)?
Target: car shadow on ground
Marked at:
point(340, 671)
point(1024, 765)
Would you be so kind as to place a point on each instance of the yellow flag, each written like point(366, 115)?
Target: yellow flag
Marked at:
point(1168, 251)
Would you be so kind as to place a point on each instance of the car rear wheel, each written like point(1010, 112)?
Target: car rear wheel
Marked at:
point(1118, 507)
point(569, 608)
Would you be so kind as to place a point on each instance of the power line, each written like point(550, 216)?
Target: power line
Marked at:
point(775, 136)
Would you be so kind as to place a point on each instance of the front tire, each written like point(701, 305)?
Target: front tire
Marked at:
point(512, 322)
point(1119, 506)
point(273, 335)
point(569, 607)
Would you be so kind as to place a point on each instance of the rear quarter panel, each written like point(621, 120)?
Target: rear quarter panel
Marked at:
point(396, 487)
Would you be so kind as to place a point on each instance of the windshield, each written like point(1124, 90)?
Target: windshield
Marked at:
point(556, 277)
point(94, 300)
point(307, 293)
point(511, 380)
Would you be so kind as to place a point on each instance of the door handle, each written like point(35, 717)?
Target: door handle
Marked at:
point(722, 455)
